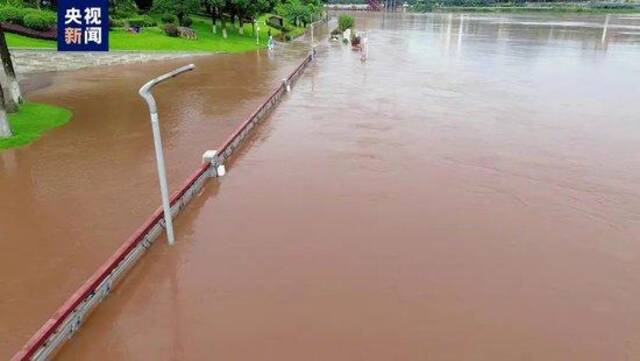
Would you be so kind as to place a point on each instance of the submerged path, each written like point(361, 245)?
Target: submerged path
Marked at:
point(71, 198)
point(46, 60)
point(471, 192)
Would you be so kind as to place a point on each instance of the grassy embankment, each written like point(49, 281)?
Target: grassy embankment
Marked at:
point(154, 39)
point(34, 119)
point(31, 121)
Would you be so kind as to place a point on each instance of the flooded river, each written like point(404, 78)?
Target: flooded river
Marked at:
point(469, 192)
point(73, 197)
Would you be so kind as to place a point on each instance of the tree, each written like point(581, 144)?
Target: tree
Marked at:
point(242, 10)
point(217, 9)
point(214, 9)
point(314, 7)
point(299, 12)
point(124, 8)
point(256, 8)
point(181, 8)
point(13, 97)
point(246, 10)
point(236, 9)
point(144, 4)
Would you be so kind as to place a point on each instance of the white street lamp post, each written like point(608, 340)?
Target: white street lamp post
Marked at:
point(257, 32)
point(145, 93)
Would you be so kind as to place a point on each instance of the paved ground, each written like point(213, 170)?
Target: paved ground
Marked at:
point(36, 61)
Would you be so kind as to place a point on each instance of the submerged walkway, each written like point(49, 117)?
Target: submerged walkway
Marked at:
point(72, 198)
point(427, 204)
point(42, 60)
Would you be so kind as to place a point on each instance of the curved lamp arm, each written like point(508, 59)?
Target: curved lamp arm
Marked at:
point(145, 91)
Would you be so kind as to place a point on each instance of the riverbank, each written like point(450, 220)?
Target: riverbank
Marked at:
point(31, 121)
point(536, 9)
point(471, 6)
point(154, 39)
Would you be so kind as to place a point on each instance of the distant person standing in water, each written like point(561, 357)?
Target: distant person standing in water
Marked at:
point(270, 43)
point(364, 47)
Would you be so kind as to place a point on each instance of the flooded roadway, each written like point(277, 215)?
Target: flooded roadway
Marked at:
point(471, 192)
point(74, 196)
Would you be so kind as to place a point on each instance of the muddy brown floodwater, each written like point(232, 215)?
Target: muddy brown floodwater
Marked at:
point(70, 199)
point(471, 192)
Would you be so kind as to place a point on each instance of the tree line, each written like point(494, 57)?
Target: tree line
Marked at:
point(243, 11)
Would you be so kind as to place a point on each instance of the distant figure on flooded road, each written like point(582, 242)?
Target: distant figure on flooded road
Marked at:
point(270, 43)
point(364, 48)
point(359, 43)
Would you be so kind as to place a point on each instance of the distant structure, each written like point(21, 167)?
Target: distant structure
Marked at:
point(391, 4)
point(369, 5)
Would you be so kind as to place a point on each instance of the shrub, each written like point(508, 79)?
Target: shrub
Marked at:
point(49, 16)
point(345, 22)
point(12, 14)
point(163, 6)
point(35, 21)
point(612, 5)
point(15, 3)
point(178, 7)
point(31, 18)
point(149, 21)
point(424, 6)
point(169, 18)
point(467, 3)
point(142, 21)
point(187, 21)
point(116, 23)
point(122, 9)
point(119, 14)
point(171, 30)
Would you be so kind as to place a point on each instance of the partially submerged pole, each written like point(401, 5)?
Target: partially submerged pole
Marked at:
point(257, 29)
point(604, 29)
point(145, 93)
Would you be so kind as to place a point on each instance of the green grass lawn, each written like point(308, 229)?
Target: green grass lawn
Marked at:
point(155, 39)
point(31, 121)
point(19, 41)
